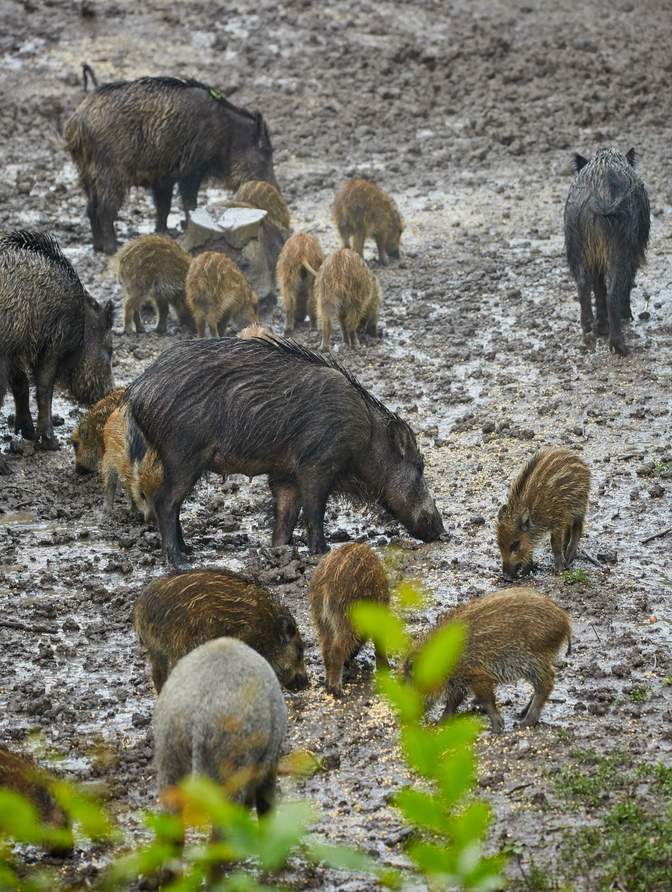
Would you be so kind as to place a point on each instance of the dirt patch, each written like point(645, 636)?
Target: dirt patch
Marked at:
point(467, 114)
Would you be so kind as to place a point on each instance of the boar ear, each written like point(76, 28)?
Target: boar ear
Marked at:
point(285, 629)
point(525, 521)
point(401, 438)
point(502, 511)
point(578, 162)
point(632, 157)
point(109, 315)
point(261, 130)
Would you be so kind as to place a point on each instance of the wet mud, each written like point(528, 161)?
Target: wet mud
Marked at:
point(467, 114)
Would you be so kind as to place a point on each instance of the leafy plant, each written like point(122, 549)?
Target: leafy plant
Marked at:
point(574, 576)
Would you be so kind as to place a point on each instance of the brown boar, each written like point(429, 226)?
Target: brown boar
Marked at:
point(256, 331)
point(87, 437)
point(346, 575)
point(155, 132)
point(50, 326)
point(218, 291)
point(179, 612)
point(21, 775)
point(550, 495)
point(300, 259)
point(347, 290)
point(262, 195)
point(362, 210)
point(512, 634)
point(153, 268)
point(141, 479)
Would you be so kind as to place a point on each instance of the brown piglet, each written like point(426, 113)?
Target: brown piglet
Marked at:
point(217, 291)
point(512, 634)
point(298, 264)
point(550, 495)
point(347, 290)
point(363, 210)
point(348, 574)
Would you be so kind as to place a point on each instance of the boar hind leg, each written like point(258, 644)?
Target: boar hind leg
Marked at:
point(96, 228)
point(456, 695)
point(532, 711)
point(573, 544)
point(382, 253)
point(587, 318)
point(265, 797)
point(162, 193)
point(483, 687)
point(167, 503)
point(558, 548)
point(160, 670)
point(358, 243)
point(189, 194)
point(614, 309)
point(314, 500)
point(23, 422)
point(45, 377)
point(601, 315)
point(334, 659)
point(287, 507)
point(162, 310)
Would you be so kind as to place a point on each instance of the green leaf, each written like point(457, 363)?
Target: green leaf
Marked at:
point(402, 696)
point(410, 594)
point(375, 621)
point(471, 824)
point(281, 831)
point(434, 858)
point(91, 816)
point(438, 656)
point(340, 857)
point(18, 817)
point(422, 810)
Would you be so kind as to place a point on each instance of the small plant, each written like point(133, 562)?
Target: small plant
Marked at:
point(667, 680)
point(577, 576)
point(638, 695)
point(654, 468)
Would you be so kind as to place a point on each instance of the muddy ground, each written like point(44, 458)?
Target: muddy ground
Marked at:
point(467, 112)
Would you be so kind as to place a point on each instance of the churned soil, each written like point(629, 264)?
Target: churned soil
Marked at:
point(467, 113)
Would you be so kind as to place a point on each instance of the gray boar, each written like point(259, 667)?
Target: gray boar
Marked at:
point(221, 713)
point(49, 325)
point(177, 613)
point(155, 132)
point(253, 406)
point(512, 634)
point(607, 221)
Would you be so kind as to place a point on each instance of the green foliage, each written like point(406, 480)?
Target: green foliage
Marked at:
point(577, 576)
point(639, 694)
point(654, 468)
point(245, 852)
point(588, 787)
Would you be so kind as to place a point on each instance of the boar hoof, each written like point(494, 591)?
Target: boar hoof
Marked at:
point(620, 348)
point(335, 692)
point(49, 443)
point(5, 470)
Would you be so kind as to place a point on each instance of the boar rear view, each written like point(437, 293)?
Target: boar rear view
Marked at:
point(251, 406)
point(155, 132)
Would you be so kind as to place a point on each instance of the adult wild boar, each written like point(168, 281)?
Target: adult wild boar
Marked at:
point(49, 325)
point(155, 132)
point(239, 406)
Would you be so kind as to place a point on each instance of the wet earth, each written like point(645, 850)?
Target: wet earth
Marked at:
point(467, 113)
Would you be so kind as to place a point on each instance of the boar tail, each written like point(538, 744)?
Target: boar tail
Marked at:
point(569, 645)
point(309, 268)
point(135, 442)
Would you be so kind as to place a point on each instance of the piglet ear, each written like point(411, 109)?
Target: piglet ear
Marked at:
point(632, 157)
point(502, 511)
point(578, 162)
point(525, 521)
point(285, 629)
point(109, 315)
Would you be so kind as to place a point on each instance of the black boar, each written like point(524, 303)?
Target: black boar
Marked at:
point(177, 613)
point(255, 406)
point(155, 132)
point(50, 325)
point(221, 713)
point(607, 221)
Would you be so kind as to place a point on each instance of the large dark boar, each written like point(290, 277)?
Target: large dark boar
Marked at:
point(607, 220)
point(251, 406)
point(155, 132)
point(50, 325)
point(179, 612)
